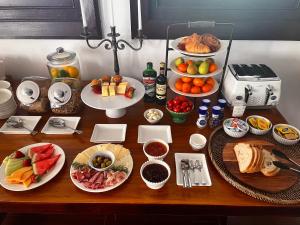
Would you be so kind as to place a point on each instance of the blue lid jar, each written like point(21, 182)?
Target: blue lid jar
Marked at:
point(202, 110)
point(222, 102)
point(206, 102)
point(216, 110)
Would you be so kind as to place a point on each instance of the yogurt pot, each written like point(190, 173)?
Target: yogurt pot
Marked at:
point(197, 141)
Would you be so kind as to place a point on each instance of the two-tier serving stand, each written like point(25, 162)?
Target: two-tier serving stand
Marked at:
point(224, 46)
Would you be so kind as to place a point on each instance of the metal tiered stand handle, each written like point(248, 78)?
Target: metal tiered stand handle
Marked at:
point(201, 24)
point(113, 44)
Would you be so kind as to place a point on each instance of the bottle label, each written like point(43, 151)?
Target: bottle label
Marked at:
point(161, 89)
point(149, 83)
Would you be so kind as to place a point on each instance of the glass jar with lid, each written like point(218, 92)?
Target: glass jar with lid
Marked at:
point(32, 94)
point(64, 96)
point(63, 63)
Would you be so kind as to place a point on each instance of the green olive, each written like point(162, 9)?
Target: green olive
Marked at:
point(103, 165)
point(108, 163)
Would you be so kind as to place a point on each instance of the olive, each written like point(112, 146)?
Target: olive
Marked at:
point(103, 165)
point(99, 159)
point(108, 163)
point(96, 164)
point(105, 160)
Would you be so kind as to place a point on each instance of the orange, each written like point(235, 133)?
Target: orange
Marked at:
point(212, 67)
point(182, 67)
point(186, 87)
point(207, 88)
point(178, 85)
point(210, 81)
point(186, 79)
point(199, 82)
point(189, 62)
point(72, 71)
point(195, 90)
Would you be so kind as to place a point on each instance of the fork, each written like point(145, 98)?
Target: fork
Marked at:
point(199, 166)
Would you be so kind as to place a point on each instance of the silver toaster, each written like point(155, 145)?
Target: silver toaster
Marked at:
point(257, 85)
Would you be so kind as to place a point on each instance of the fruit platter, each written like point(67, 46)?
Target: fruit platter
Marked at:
point(199, 45)
point(31, 166)
point(188, 67)
point(193, 87)
point(113, 94)
point(101, 168)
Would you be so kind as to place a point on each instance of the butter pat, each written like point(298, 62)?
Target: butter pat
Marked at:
point(121, 88)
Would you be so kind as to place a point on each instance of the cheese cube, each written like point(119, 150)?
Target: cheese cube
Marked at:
point(105, 92)
point(112, 89)
point(121, 88)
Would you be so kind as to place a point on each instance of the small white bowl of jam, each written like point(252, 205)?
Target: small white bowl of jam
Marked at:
point(156, 149)
point(155, 173)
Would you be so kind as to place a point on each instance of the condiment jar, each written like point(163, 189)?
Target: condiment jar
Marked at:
point(215, 117)
point(64, 96)
point(202, 120)
point(32, 94)
point(63, 64)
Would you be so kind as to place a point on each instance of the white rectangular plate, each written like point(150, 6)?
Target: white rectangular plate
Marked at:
point(192, 156)
point(70, 122)
point(112, 133)
point(148, 132)
point(29, 122)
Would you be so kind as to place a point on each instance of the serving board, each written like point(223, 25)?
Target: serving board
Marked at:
point(282, 181)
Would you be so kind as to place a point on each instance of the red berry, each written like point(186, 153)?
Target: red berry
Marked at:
point(18, 155)
point(27, 162)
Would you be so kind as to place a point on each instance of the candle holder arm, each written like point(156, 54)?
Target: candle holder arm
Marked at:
point(121, 43)
point(107, 46)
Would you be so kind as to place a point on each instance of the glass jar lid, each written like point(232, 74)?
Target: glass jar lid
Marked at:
point(28, 92)
point(59, 93)
point(61, 56)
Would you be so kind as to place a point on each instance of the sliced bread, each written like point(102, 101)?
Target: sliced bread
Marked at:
point(244, 154)
point(268, 168)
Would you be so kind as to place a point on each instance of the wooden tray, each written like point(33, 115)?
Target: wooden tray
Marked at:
point(282, 181)
point(216, 146)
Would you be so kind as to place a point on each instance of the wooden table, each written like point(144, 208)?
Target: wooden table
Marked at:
point(61, 196)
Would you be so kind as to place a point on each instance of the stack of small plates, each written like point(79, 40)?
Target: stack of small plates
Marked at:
point(8, 105)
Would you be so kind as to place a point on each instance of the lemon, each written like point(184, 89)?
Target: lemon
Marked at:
point(54, 72)
point(73, 71)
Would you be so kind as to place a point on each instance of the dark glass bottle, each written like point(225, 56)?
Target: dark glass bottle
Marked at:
point(149, 76)
point(161, 85)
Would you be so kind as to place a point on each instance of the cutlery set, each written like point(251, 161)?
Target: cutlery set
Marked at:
point(285, 166)
point(192, 173)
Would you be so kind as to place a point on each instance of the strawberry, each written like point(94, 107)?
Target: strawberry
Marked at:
point(129, 92)
point(27, 162)
point(18, 155)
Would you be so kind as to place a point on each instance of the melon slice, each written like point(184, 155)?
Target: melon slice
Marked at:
point(42, 155)
point(41, 167)
point(244, 155)
point(38, 149)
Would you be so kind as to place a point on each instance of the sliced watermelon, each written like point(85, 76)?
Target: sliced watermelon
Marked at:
point(41, 156)
point(41, 167)
point(38, 149)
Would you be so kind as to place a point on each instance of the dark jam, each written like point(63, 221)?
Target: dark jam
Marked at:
point(156, 149)
point(155, 173)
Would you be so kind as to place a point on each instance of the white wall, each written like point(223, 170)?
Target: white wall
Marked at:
point(28, 57)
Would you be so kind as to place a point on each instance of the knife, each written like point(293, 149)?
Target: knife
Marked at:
point(285, 166)
point(284, 156)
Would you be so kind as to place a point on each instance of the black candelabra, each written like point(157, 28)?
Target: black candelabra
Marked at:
point(113, 44)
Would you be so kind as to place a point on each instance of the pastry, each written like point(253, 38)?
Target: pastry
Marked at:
point(105, 78)
point(211, 41)
point(196, 47)
point(116, 79)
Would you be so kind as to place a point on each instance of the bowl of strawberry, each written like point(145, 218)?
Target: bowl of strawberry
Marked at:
point(179, 107)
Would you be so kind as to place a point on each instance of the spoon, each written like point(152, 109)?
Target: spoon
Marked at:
point(61, 123)
point(59, 94)
point(18, 123)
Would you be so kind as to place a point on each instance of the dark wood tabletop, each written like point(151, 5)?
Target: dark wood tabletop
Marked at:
point(60, 195)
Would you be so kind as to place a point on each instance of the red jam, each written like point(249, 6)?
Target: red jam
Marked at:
point(156, 149)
